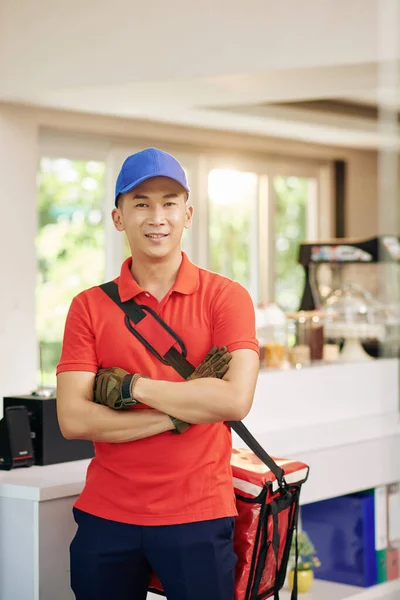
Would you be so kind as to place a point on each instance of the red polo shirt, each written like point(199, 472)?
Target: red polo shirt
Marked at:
point(164, 479)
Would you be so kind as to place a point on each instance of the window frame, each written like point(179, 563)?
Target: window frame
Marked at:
point(320, 224)
point(244, 165)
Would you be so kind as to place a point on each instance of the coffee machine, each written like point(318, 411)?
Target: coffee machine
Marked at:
point(371, 268)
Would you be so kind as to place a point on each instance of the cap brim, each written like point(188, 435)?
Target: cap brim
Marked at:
point(133, 185)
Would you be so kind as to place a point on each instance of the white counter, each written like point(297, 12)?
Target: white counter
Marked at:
point(324, 394)
point(342, 420)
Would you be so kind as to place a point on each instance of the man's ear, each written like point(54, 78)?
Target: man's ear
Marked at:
point(117, 219)
point(189, 216)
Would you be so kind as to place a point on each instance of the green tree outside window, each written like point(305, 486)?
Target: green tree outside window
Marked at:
point(69, 247)
point(290, 231)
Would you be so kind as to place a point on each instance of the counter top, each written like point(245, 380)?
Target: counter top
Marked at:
point(324, 394)
point(342, 420)
point(44, 483)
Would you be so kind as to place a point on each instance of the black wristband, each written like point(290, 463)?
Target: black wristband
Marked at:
point(126, 390)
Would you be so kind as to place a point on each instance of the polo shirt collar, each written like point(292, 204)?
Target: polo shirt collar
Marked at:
point(187, 281)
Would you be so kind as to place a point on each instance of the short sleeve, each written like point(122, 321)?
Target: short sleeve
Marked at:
point(234, 319)
point(79, 349)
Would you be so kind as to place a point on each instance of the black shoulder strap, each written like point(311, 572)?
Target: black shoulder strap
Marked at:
point(134, 314)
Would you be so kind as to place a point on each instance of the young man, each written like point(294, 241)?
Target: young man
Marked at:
point(154, 501)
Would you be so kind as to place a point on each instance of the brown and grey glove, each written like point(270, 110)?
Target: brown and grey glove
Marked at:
point(215, 364)
point(113, 388)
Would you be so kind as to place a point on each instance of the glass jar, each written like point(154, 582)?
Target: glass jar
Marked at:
point(276, 344)
point(309, 337)
point(316, 338)
point(274, 336)
point(299, 354)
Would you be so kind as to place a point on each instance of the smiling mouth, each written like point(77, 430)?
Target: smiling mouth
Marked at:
point(156, 236)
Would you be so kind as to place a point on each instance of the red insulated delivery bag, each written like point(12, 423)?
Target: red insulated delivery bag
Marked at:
point(265, 525)
point(266, 522)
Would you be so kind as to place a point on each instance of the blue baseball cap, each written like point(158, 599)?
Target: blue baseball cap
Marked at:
point(148, 163)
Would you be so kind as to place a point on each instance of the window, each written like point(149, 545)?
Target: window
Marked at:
point(293, 224)
point(233, 198)
point(258, 214)
point(70, 247)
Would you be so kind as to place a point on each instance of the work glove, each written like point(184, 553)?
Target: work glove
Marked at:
point(113, 388)
point(215, 364)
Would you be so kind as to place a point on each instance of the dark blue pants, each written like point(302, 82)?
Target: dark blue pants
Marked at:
point(113, 561)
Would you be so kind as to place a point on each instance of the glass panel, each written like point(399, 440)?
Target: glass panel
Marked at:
point(233, 199)
point(69, 245)
point(291, 218)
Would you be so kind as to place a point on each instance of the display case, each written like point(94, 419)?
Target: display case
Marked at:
point(357, 282)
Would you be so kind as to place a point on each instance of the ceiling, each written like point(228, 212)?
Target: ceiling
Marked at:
point(313, 70)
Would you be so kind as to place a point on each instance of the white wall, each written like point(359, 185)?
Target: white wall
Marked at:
point(18, 162)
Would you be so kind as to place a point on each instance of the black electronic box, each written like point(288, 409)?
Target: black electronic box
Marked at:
point(15, 438)
point(49, 445)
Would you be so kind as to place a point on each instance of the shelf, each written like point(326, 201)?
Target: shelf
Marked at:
point(325, 590)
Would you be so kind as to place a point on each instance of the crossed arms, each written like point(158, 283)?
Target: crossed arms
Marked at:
point(199, 401)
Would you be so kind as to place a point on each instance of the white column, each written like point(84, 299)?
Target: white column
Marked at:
point(18, 165)
point(388, 99)
point(389, 152)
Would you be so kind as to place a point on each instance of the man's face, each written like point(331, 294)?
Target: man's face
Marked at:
point(154, 215)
